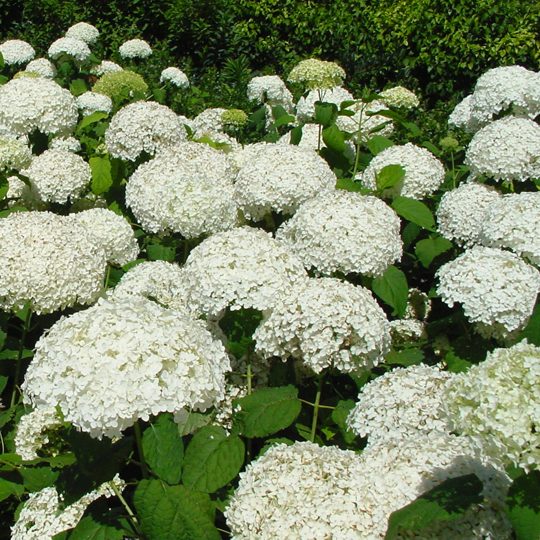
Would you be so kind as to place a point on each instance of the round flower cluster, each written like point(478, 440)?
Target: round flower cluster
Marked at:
point(75, 48)
point(362, 125)
point(14, 154)
point(497, 403)
point(507, 149)
point(58, 176)
point(129, 359)
point(69, 144)
point(106, 66)
point(91, 102)
point(208, 121)
point(174, 76)
point(424, 173)
point(43, 67)
point(270, 89)
point(28, 104)
point(399, 97)
point(401, 404)
point(144, 126)
point(120, 84)
point(305, 108)
point(497, 288)
point(280, 178)
point(135, 48)
point(461, 116)
point(234, 118)
point(512, 222)
point(240, 268)
point(16, 51)
point(84, 32)
point(32, 431)
point(462, 212)
point(344, 232)
point(326, 322)
point(167, 194)
point(317, 74)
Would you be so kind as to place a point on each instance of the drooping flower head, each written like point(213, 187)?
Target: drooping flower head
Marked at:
point(14, 154)
point(317, 74)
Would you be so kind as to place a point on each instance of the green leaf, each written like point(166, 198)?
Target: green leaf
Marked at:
point(532, 331)
point(7, 489)
point(212, 459)
point(410, 234)
point(392, 289)
point(91, 119)
point(78, 87)
point(2, 62)
point(163, 449)
point(524, 506)
point(4, 187)
point(37, 478)
point(296, 135)
point(455, 363)
point(239, 326)
point(389, 176)
point(378, 143)
point(333, 138)
point(90, 529)
point(174, 512)
point(160, 252)
point(446, 502)
point(325, 113)
point(339, 416)
point(406, 357)
point(349, 185)
point(414, 211)
point(267, 411)
point(3, 382)
point(191, 422)
point(426, 250)
point(101, 174)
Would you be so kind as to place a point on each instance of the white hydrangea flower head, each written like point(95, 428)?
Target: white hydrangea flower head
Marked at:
point(175, 76)
point(497, 288)
point(225, 408)
point(76, 48)
point(43, 67)
point(106, 66)
point(111, 232)
point(144, 126)
point(67, 144)
point(362, 125)
point(14, 154)
point(84, 32)
point(32, 431)
point(91, 102)
point(346, 232)
point(168, 194)
point(424, 173)
point(44, 515)
point(28, 104)
point(270, 89)
point(497, 403)
point(400, 97)
point(461, 116)
point(462, 212)
point(401, 404)
point(317, 74)
point(208, 121)
point(149, 360)
point(512, 223)
point(507, 149)
point(248, 153)
point(305, 108)
point(135, 48)
point(58, 175)
point(326, 322)
point(407, 330)
point(16, 51)
point(240, 268)
point(280, 179)
point(18, 190)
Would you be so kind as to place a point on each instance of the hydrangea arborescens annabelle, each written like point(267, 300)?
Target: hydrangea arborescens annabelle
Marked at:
point(67, 144)
point(507, 149)
point(120, 84)
point(512, 222)
point(128, 359)
point(280, 178)
point(400, 97)
point(208, 121)
point(270, 89)
point(43, 67)
point(497, 403)
point(305, 108)
point(16, 51)
point(40, 104)
point(14, 154)
point(317, 74)
point(345, 232)
point(84, 32)
point(461, 116)
point(32, 431)
point(106, 66)
point(462, 212)
point(400, 404)
point(76, 48)
point(497, 288)
point(143, 126)
point(240, 268)
point(91, 102)
point(175, 76)
point(326, 322)
point(58, 176)
point(135, 48)
point(424, 173)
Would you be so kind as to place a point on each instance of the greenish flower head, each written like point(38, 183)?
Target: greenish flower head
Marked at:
point(317, 74)
point(449, 143)
point(28, 74)
point(234, 118)
point(121, 85)
point(14, 154)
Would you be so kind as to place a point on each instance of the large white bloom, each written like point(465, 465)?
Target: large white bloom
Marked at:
point(305, 108)
point(175, 76)
point(424, 173)
point(105, 66)
point(119, 361)
point(16, 51)
point(208, 121)
point(317, 74)
point(399, 96)
point(270, 89)
point(68, 144)
point(76, 48)
point(461, 116)
point(84, 32)
point(43, 67)
point(143, 126)
point(326, 322)
point(135, 48)
point(344, 232)
point(14, 154)
point(91, 102)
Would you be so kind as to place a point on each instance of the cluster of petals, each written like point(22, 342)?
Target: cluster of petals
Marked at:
point(84, 32)
point(32, 431)
point(175, 76)
point(270, 89)
point(43, 67)
point(14, 154)
point(400, 97)
point(76, 48)
point(208, 121)
point(106, 66)
point(68, 144)
point(16, 51)
point(317, 74)
point(135, 48)
point(461, 117)
point(91, 102)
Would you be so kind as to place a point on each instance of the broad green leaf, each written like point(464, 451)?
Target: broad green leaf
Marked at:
point(334, 138)
point(455, 363)
point(7, 489)
point(349, 185)
point(239, 326)
point(524, 506)
point(406, 357)
point(4, 187)
point(296, 135)
point(426, 250)
point(2, 62)
point(392, 289)
point(267, 411)
point(78, 87)
point(212, 459)
point(272, 442)
point(163, 449)
point(446, 502)
point(378, 143)
point(91, 119)
point(101, 174)
point(37, 478)
point(3, 382)
point(339, 416)
point(414, 211)
point(91, 529)
point(174, 512)
point(325, 113)
point(389, 176)
point(410, 234)
point(159, 252)
point(190, 422)
point(281, 116)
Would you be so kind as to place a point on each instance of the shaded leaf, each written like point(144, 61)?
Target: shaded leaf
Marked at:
point(524, 506)
point(428, 249)
point(414, 211)
point(101, 174)
point(392, 289)
point(389, 176)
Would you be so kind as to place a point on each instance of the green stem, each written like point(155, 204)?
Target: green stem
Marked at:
point(18, 365)
point(138, 440)
point(453, 170)
point(320, 406)
point(129, 511)
point(316, 407)
point(249, 376)
point(358, 145)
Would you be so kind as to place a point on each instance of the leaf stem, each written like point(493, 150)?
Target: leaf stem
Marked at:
point(138, 440)
point(18, 366)
point(129, 511)
point(313, 404)
point(316, 407)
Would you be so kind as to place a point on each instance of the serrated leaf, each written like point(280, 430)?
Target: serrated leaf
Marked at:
point(406, 357)
point(174, 512)
point(378, 143)
point(389, 177)
point(191, 422)
point(37, 478)
point(163, 449)
point(392, 289)
point(426, 250)
point(325, 113)
point(101, 174)
point(267, 411)
point(334, 138)
point(7, 489)
point(90, 529)
point(455, 363)
point(91, 119)
point(212, 459)
point(414, 211)
point(524, 506)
